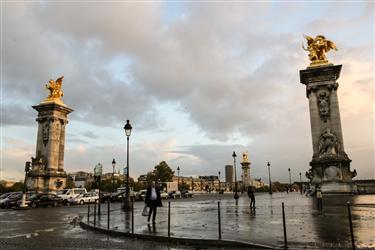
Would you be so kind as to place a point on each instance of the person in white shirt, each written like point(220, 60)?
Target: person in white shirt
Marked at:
point(153, 201)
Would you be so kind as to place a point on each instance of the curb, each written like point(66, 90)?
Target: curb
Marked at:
point(183, 241)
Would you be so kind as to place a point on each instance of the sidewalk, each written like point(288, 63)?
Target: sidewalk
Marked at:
point(197, 218)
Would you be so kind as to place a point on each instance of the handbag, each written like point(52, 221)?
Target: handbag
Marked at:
point(145, 211)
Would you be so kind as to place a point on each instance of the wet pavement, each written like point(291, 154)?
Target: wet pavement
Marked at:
point(306, 226)
point(57, 228)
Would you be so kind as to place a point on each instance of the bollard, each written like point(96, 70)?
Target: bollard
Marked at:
point(132, 217)
point(169, 218)
point(351, 225)
point(285, 240)
point(95, 214)
point(108, 215)
point(219, 218)
point(88, 214)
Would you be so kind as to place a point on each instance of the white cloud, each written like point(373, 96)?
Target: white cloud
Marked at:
point(231, 69)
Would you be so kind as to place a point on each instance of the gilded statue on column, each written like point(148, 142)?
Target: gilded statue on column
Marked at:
point(245, 156)
point(55, 92)
point(317, 48)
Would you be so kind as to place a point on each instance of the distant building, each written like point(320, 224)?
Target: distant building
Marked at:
point(229, 174)
point(80, 178)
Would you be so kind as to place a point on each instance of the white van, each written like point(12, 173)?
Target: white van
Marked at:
point(67, 194)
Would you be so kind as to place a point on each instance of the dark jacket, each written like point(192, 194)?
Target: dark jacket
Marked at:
point(148, 196)
point(250, 193)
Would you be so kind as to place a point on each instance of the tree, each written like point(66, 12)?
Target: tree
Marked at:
point(161, 172)
point(69, 183)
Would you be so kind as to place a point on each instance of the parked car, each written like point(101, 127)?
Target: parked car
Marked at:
point(187, 194)
point(10, 200)
point(81, 199)
point(163, 195)
point(141, 195)
point(174, 194)
point(45, 200)
point(67, 194)
point(104, 196)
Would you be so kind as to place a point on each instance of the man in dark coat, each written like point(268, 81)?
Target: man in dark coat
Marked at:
point(250, 193)
point(153, 201)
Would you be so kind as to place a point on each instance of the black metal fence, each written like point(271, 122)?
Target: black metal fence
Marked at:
point(94, 217)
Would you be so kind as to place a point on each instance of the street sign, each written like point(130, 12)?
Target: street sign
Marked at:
point(98, 170)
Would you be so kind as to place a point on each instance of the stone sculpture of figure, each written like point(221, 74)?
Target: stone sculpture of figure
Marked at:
point(245, 157)
point(54, 88)
point(317, 47)
point(323, 103)
point(328, 143)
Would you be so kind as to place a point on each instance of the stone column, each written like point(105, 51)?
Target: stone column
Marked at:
point(48, 166)
point(330, 165)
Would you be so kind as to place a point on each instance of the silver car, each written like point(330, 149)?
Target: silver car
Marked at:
point(91, 197)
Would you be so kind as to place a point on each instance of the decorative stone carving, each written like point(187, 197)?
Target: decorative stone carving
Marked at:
point(45, 132)
point(328, 144)
point(309, 174)
point(332, 173)
point(323, 103)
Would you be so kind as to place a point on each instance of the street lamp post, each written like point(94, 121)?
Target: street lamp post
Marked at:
point(192, 183)
point(219, 183)
point(290, 180)
point(178, 178)
point(235, 176)
point(300, 182)
point(113, 175)
point(128, 130)
point(269, 177)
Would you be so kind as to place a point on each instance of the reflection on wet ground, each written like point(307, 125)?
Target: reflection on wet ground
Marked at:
point(197, 218)
point(306, 226)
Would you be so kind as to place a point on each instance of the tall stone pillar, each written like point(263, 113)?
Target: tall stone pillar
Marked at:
point(47, 168)
point(330, 165)
point(246, 179)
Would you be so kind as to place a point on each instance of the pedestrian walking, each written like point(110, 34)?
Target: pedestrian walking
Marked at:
point(153, 201)
point(250, 193)
point(319, 198)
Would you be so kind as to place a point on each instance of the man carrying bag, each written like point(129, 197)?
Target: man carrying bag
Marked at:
point(153, 201)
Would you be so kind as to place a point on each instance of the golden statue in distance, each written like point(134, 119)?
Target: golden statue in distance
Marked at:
point(55, 92)
point(245, 157)
point(317, 47)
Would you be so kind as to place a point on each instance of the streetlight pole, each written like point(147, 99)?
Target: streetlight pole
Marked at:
point(235, 176)
point(178, 178)
point(192, 183)
point(269, 177)
point(128, 130)
point(290, 180)
point(113, 175)
point(219, 183)
point(300, 182)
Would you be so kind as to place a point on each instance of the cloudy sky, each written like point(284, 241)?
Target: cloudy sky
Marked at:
point(197, 81)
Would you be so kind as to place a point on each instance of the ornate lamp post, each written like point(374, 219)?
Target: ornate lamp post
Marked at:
point(128, 130)
point(178, 178)
point(269, 177)
point(235, 176)
point(113, 175)
point(219, 183)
